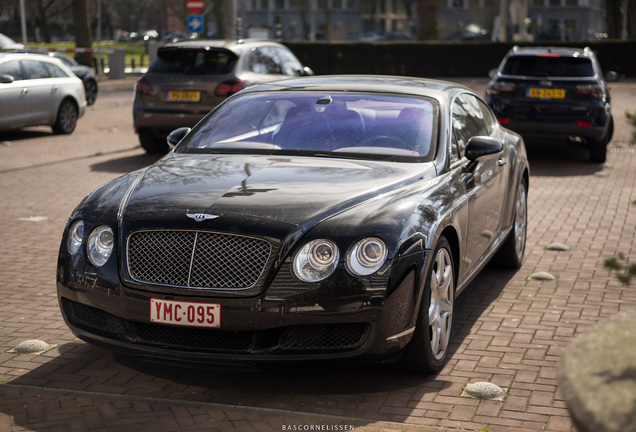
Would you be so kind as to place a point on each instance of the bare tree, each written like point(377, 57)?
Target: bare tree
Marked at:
point(427, 19)
point(82, 31)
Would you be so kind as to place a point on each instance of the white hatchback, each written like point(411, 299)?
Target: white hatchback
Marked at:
point(39, 90)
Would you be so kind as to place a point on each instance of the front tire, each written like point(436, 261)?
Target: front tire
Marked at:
point(428, 350)
point(67, 116)
point(152, 144)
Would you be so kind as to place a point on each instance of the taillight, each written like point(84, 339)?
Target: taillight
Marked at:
point(593, 90)
point(228, 88)
point(143, 87)
point(501, 86)
point(503, 121)
point(584, 124)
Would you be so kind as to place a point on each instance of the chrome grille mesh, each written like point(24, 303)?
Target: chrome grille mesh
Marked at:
point(196, 259)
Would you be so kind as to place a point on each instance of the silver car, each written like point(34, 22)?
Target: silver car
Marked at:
point(189, 78)
point(39, 90)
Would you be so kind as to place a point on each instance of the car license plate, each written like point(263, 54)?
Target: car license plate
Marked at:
point(546, 93)
point(185, 313)
point(183, 96)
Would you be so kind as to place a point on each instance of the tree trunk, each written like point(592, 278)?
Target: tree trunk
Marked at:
point(82, 32)
point(427, 19)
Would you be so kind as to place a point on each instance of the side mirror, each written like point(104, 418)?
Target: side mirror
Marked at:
point(482, 147)
point(177, 135)
point(611, 76)
point(6, 79)
point(492, 73)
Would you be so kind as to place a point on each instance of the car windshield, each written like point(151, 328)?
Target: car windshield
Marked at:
point(549, 66)
point(329, 124)
point(193, 61)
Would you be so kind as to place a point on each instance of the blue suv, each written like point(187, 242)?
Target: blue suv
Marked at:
point(549, 92)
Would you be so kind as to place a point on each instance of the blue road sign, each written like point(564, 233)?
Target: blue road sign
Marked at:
point(195, 23)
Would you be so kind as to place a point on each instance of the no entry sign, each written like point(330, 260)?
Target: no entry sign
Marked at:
point(194, 6)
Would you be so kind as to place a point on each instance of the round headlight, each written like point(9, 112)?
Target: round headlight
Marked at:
point(316, 260)
point(367, 256)
point(75, 237)
point(100, 245)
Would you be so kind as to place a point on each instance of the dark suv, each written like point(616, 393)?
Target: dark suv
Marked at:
point(546, 92)
point(189, 78)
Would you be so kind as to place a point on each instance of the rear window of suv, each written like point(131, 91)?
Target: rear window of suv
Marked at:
point(197, 62)
point(548, 66)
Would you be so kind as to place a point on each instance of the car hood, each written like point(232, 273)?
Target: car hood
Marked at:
point(301, 191)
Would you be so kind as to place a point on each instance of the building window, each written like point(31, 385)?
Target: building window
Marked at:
point(457, 4)
point(554, 3)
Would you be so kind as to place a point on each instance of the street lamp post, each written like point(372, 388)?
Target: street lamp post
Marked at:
point(23, 23)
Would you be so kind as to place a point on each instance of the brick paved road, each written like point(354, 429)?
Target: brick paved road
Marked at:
point(510, 329)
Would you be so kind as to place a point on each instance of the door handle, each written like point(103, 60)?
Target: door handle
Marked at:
point(25, 90)
point(501, 162)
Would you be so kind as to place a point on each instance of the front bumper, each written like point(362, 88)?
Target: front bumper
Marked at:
point(287, 322)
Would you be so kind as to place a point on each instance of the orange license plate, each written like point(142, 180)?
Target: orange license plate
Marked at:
point(546, 93)
point(183, 313)
point(183, 96)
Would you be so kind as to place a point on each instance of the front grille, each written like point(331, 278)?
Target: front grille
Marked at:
point(196, 259)
point(304, 339)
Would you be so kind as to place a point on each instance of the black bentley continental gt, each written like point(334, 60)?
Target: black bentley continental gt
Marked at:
point(312, 219)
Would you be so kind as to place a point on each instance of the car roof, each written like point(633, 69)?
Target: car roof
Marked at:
point(408, 86)
point(543, 50)
point(229, 44)
point(23, 54)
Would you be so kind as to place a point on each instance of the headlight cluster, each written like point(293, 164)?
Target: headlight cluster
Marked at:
point(99, 244)
point(317, 259)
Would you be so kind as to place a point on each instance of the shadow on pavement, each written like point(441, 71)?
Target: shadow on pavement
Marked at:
point(25, 134)
point(560, 159)
point(369, 392)
point(126, 164)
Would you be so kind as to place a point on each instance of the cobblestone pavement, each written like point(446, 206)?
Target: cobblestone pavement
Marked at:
point(510, 329)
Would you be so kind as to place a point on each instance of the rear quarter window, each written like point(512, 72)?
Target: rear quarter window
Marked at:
point(196, 62)
point(548, 66)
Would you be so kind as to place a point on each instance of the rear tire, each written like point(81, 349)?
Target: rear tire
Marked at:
point(510, 254)
point(67, 116)
point(91, 92)
point(152, 144)
point(428, 350)
point(598, 151)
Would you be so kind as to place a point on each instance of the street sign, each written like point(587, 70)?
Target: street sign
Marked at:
point(195, 23)
point(194, 6)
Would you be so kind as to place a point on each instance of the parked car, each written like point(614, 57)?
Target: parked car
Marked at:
point(546, 92)
point(6, 43)
point(38, 90)
point(311, 219)
point(189, 78)
point(84, 73)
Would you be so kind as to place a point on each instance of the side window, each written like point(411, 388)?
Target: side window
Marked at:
point(471, 117)
point(289, 63)
point(12, 68)
point(55, 71)
point(263, 61)
point(35, 69)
